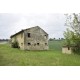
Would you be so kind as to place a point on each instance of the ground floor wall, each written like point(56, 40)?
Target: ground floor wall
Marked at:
point(36, 46)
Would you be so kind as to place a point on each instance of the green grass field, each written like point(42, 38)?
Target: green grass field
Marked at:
point(15, 57)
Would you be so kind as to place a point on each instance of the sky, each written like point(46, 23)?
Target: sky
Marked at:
point(48, 14)
point(52, 23)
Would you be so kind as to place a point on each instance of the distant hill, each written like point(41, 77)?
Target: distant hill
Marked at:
point(4, 39)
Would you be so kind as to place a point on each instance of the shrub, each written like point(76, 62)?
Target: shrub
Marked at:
point(15, 44)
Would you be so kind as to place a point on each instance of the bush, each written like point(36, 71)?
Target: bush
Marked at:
point(15, 44)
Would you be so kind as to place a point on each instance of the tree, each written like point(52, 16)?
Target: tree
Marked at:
point(59, 39)
point(54, 38)
point(50, 39)
point(72, 33)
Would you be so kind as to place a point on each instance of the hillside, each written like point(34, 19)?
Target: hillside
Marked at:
point(55, 45)
point(53, 57)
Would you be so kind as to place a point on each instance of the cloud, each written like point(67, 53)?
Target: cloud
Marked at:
point(53, 24)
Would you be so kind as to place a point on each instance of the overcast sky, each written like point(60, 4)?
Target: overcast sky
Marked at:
point(21, 14)
point(53, 24)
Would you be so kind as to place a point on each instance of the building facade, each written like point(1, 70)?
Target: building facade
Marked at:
point(33, 38)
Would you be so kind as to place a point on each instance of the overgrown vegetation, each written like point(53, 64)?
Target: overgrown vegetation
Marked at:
point(54, 57)
point(72, 33)
point(15, 44)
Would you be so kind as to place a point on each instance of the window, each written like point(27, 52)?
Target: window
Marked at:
point(35, 44)
point(29, 44)
point(45, 36)
point(38, 44)
point(68, 48)
point(45, 43)
point(21, 44)
point(29, 35)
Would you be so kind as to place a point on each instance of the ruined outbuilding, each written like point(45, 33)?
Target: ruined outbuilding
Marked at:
point(67, 50)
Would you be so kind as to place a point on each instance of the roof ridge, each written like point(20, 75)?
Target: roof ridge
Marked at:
point(26, 29)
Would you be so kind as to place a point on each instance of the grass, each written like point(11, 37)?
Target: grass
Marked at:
point(15, 57)
point(55, 45)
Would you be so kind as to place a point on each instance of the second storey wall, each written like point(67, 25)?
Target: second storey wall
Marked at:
point(36, 41)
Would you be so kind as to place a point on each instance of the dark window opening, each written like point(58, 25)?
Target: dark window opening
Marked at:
point(68, 48)
point(45, 43)
point(45, 36)
point(29, 35)
point(37, 43)
point(29, 44)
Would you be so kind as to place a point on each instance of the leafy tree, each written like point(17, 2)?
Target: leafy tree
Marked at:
point(50, 39)
point(72, 33)
point(54, 38)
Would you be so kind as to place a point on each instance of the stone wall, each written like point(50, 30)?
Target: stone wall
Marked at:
point(38, 39)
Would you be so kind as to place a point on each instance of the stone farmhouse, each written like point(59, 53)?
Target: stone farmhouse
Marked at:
point(33, 38)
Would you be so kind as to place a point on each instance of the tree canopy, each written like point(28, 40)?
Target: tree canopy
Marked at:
point(72, 33)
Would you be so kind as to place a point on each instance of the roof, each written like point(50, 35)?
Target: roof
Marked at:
point(68, 46)
point(16, 33)
point(24, 30)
